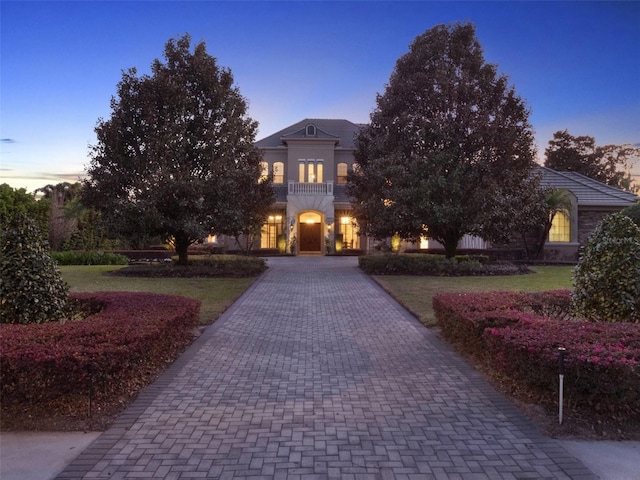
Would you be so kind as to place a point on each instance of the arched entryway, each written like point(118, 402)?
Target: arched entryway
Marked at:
point(310, 232)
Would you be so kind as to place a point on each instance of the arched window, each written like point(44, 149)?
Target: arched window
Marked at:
point(311, 130)
point(278, 172)
point(341, 177)
point(560, 227)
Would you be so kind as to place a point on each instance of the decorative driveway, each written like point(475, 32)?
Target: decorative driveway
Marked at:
point(316, 373)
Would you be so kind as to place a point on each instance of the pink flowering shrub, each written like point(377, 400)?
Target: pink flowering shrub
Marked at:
point(129, 332)
point(516, 335)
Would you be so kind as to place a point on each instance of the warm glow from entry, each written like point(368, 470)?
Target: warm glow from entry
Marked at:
point(345, 220)
point(309, 220)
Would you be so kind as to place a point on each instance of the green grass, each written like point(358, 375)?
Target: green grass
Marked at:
point(216, 294)
point(416, 293)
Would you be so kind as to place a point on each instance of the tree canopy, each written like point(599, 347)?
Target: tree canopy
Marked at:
point(610, 164)
point(175, 151)
point(449, 148)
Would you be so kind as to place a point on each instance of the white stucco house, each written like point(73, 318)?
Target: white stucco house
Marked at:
point(309, 161)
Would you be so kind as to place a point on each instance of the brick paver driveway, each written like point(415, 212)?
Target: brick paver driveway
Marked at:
point(317, 373)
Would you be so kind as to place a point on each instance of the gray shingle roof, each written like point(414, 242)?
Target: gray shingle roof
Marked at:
point(588, 192)
point(343, 131)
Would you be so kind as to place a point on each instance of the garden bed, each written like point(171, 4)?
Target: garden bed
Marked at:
point(514, 338)
point(50, 371)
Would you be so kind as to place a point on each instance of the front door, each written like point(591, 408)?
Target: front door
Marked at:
point(311, 237)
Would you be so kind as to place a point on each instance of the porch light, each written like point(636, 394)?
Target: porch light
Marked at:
point(309, 220)
point(345, 220)
point(278, 217)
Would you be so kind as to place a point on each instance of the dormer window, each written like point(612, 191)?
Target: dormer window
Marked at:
point(311, 130)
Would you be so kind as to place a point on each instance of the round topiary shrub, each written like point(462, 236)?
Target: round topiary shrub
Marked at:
point(607, 277)
point(31, 288)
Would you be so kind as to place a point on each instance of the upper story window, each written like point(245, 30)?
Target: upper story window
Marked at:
point(560, 228)
point(278, 172)
point(341, 177)
point(264, 170)
point(311, 130)
point(310, 171)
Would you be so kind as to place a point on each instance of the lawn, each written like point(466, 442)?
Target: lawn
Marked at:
point(416, 293)
point(216, 294)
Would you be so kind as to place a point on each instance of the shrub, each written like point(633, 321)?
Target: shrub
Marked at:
point(236, 266)
point(463, 317)
point(129, 332)
point(503, 330)
point(601, 369)
point(31, 288)
point(419, 264)
point(633, 212)
point(607, 277)
point(88, 258)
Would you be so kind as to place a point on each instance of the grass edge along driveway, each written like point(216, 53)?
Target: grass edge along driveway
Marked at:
point(416, 293)
point(216, 294)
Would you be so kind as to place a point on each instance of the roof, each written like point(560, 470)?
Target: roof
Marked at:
point(588, 192)
point(342, 131)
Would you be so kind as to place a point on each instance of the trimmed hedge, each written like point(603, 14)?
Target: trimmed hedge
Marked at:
point(88, 258)
point(420, 264)
point(128, 332)
point(234, 266)
point(510, 333)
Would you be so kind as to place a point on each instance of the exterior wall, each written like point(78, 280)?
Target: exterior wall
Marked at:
point(317, 198)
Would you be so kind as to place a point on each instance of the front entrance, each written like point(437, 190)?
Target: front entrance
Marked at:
point(310, 233)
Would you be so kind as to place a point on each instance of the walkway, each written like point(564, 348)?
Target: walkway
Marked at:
point(317, 373)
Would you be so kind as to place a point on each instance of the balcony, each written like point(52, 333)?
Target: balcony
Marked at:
point(297, 188)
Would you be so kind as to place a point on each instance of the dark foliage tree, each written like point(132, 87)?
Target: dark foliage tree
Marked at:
point(16, 201)
point(449, 147)
point(610, 164)
point(176, 151)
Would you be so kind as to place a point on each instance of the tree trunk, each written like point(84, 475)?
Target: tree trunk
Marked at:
point(182, 243)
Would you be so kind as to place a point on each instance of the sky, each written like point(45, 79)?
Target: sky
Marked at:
point(576, 64)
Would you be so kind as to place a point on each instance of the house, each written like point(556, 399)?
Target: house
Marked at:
point(592, 201)
point(309, 162)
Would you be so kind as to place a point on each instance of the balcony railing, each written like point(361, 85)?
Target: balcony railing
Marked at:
point(297, 188)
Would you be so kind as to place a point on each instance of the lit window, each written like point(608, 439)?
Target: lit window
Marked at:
point(348, 232)
point(560, 228)
point(341, 178)
point(278, 172)
point(310, 171)
point(264, 170)
point(271, 231)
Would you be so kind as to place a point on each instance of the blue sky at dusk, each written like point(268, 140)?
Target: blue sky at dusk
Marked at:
point(577, 64)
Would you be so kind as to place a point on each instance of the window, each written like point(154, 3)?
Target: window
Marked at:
point(278, 172)
point(341, 177)
point(310, 171)
point(348, 231)
point(560, 228)
point(264, 170)
point(271, 231)
point(311, 131)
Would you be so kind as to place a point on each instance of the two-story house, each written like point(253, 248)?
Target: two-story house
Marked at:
point(309, 162)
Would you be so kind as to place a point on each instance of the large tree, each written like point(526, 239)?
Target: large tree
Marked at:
point(610, 164)
point(176, 150)
point(448, 149)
